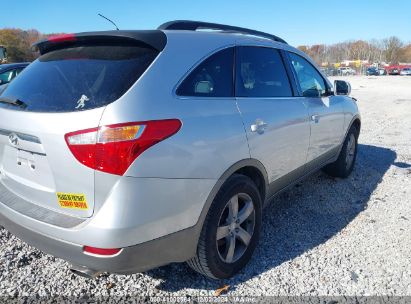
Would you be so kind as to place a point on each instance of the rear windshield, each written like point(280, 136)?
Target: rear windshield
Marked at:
point(78, 78)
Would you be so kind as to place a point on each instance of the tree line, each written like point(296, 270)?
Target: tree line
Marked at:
point(18, 43)
point(391, 50)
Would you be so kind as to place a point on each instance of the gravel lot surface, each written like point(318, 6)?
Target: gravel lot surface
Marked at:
point(324, 237)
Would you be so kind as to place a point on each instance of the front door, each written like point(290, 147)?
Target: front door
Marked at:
point(325, 111)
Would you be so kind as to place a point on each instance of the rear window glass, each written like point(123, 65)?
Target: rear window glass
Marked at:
point(78, 78)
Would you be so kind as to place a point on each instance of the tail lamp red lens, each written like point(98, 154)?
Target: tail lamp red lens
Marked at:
point(112, 149)
point(101, 251)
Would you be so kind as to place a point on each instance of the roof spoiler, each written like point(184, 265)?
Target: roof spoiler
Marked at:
point(155, 39)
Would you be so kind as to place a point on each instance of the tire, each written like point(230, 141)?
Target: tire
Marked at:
point(214, 258)
point(345, 162)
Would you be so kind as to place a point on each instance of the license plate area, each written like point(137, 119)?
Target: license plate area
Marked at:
point(29, 169)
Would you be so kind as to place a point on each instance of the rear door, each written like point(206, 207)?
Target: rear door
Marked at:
point(275, 121)
point(325, 110)
point(64, 91)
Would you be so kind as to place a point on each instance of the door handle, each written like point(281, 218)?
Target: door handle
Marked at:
point(259, 126)
point(315, 118)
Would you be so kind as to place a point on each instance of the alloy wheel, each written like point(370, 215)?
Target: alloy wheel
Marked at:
point(235, 228)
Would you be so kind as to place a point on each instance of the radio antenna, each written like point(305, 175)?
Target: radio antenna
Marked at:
point(108, 20)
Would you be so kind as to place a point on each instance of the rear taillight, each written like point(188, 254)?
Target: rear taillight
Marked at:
point(113, 148)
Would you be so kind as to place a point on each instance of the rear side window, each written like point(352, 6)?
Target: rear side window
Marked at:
point(261, 73)
point(79, 78)
point(212, 78)
point(311, 82)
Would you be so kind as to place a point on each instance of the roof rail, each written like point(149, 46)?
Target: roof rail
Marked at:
point(195, 25)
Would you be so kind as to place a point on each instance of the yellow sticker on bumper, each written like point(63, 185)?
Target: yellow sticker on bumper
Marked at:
point(72, 200)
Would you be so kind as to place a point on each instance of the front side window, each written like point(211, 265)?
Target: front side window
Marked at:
point(261, 73)
point(311, 82)
point(212, 78)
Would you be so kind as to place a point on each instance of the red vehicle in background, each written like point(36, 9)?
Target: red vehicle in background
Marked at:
point(396, 69)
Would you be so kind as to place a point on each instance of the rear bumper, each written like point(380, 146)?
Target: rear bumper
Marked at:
point(152, 227)
point(176, 247)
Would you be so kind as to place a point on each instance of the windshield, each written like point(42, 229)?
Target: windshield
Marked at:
point(79, 78)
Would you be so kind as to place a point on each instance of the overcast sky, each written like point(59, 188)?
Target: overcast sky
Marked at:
point(296, 21)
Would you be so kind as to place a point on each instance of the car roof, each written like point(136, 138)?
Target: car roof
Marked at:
point(157, 38)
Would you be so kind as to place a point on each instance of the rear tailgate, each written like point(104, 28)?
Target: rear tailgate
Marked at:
point(36, 164)
point(64, 91)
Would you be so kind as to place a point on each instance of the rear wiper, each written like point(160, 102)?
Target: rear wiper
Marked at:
point(14, 102)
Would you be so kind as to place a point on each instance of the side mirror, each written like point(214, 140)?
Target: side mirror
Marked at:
point(342, 87)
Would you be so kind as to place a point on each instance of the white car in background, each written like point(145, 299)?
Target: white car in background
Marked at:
point(345, 71)
point(405, 72)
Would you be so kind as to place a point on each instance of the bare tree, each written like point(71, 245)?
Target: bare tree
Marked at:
point(392, 47)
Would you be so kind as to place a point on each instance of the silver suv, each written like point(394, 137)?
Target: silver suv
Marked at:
point(122, 151)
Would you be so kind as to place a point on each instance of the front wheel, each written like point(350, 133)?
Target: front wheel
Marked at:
point(344, 164)
point(231, 230)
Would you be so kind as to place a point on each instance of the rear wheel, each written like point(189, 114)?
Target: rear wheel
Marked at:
point(231, 230)
point(344, 164)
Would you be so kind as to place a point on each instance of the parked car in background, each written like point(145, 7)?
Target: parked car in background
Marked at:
point(346, 71)
point(332, 72)
point(9, 71)
point(406, 72)
point(102, 166)
point(393, 71)
point(329, 71)
point(372, 71)
point(382, 71)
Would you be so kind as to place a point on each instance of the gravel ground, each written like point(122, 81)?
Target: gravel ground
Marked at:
point(324, 237)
